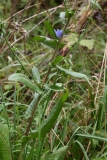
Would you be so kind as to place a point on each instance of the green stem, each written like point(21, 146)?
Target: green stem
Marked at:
point(56, 50)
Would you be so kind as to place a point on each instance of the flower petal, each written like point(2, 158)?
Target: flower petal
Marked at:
point(58, 32)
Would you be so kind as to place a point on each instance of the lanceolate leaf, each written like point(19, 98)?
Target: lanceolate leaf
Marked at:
point(57, 60)
point(48, 41)
point(45, 97)
point(92, 137)
point(94, 2)
point(83, 150)
point(36, 74)
point(57, 154)
point(54, 87)
point(99, 159)
point(5, 153)
point(50, 29)
point(23, 79)
point(47, 124)
point(31, 106)
point(39, 38)
point(74, 74)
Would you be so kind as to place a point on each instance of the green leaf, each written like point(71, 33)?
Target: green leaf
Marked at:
point(48, 42)
point(57, 154)
point(94, 2)
point(50, 29)
point(83, 150)
point(8, 86)
point(87, 43)
point(54, 87)
point(92, 137)
point(100, 116)
point(39, 38)
point(31, 154)
point(101, 110)
point(23, 79)
point(51, 43)
point(57, 60)
point(106, 76)
point(36, 74)
point(74, 74)
point(105, 97)
point(44, 97)
point(71, 38)
point(31, 106)
point(99, 159)
point(49, 122)
point(5, 153)
point(70, 13)
point(75, 147)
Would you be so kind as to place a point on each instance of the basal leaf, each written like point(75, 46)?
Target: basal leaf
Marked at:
point(54, 87)
point(44, 97)
point(57, 154)
point(5, 153)
point(47, 125)
point(36, 74)
point(49, 122)
point(23, 79)
point(74, 74)
point(31, 105)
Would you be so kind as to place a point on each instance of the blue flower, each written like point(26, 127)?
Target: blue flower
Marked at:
point(99, 16)
point(58, 32)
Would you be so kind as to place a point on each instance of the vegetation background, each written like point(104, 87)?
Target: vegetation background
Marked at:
point(53, 80)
